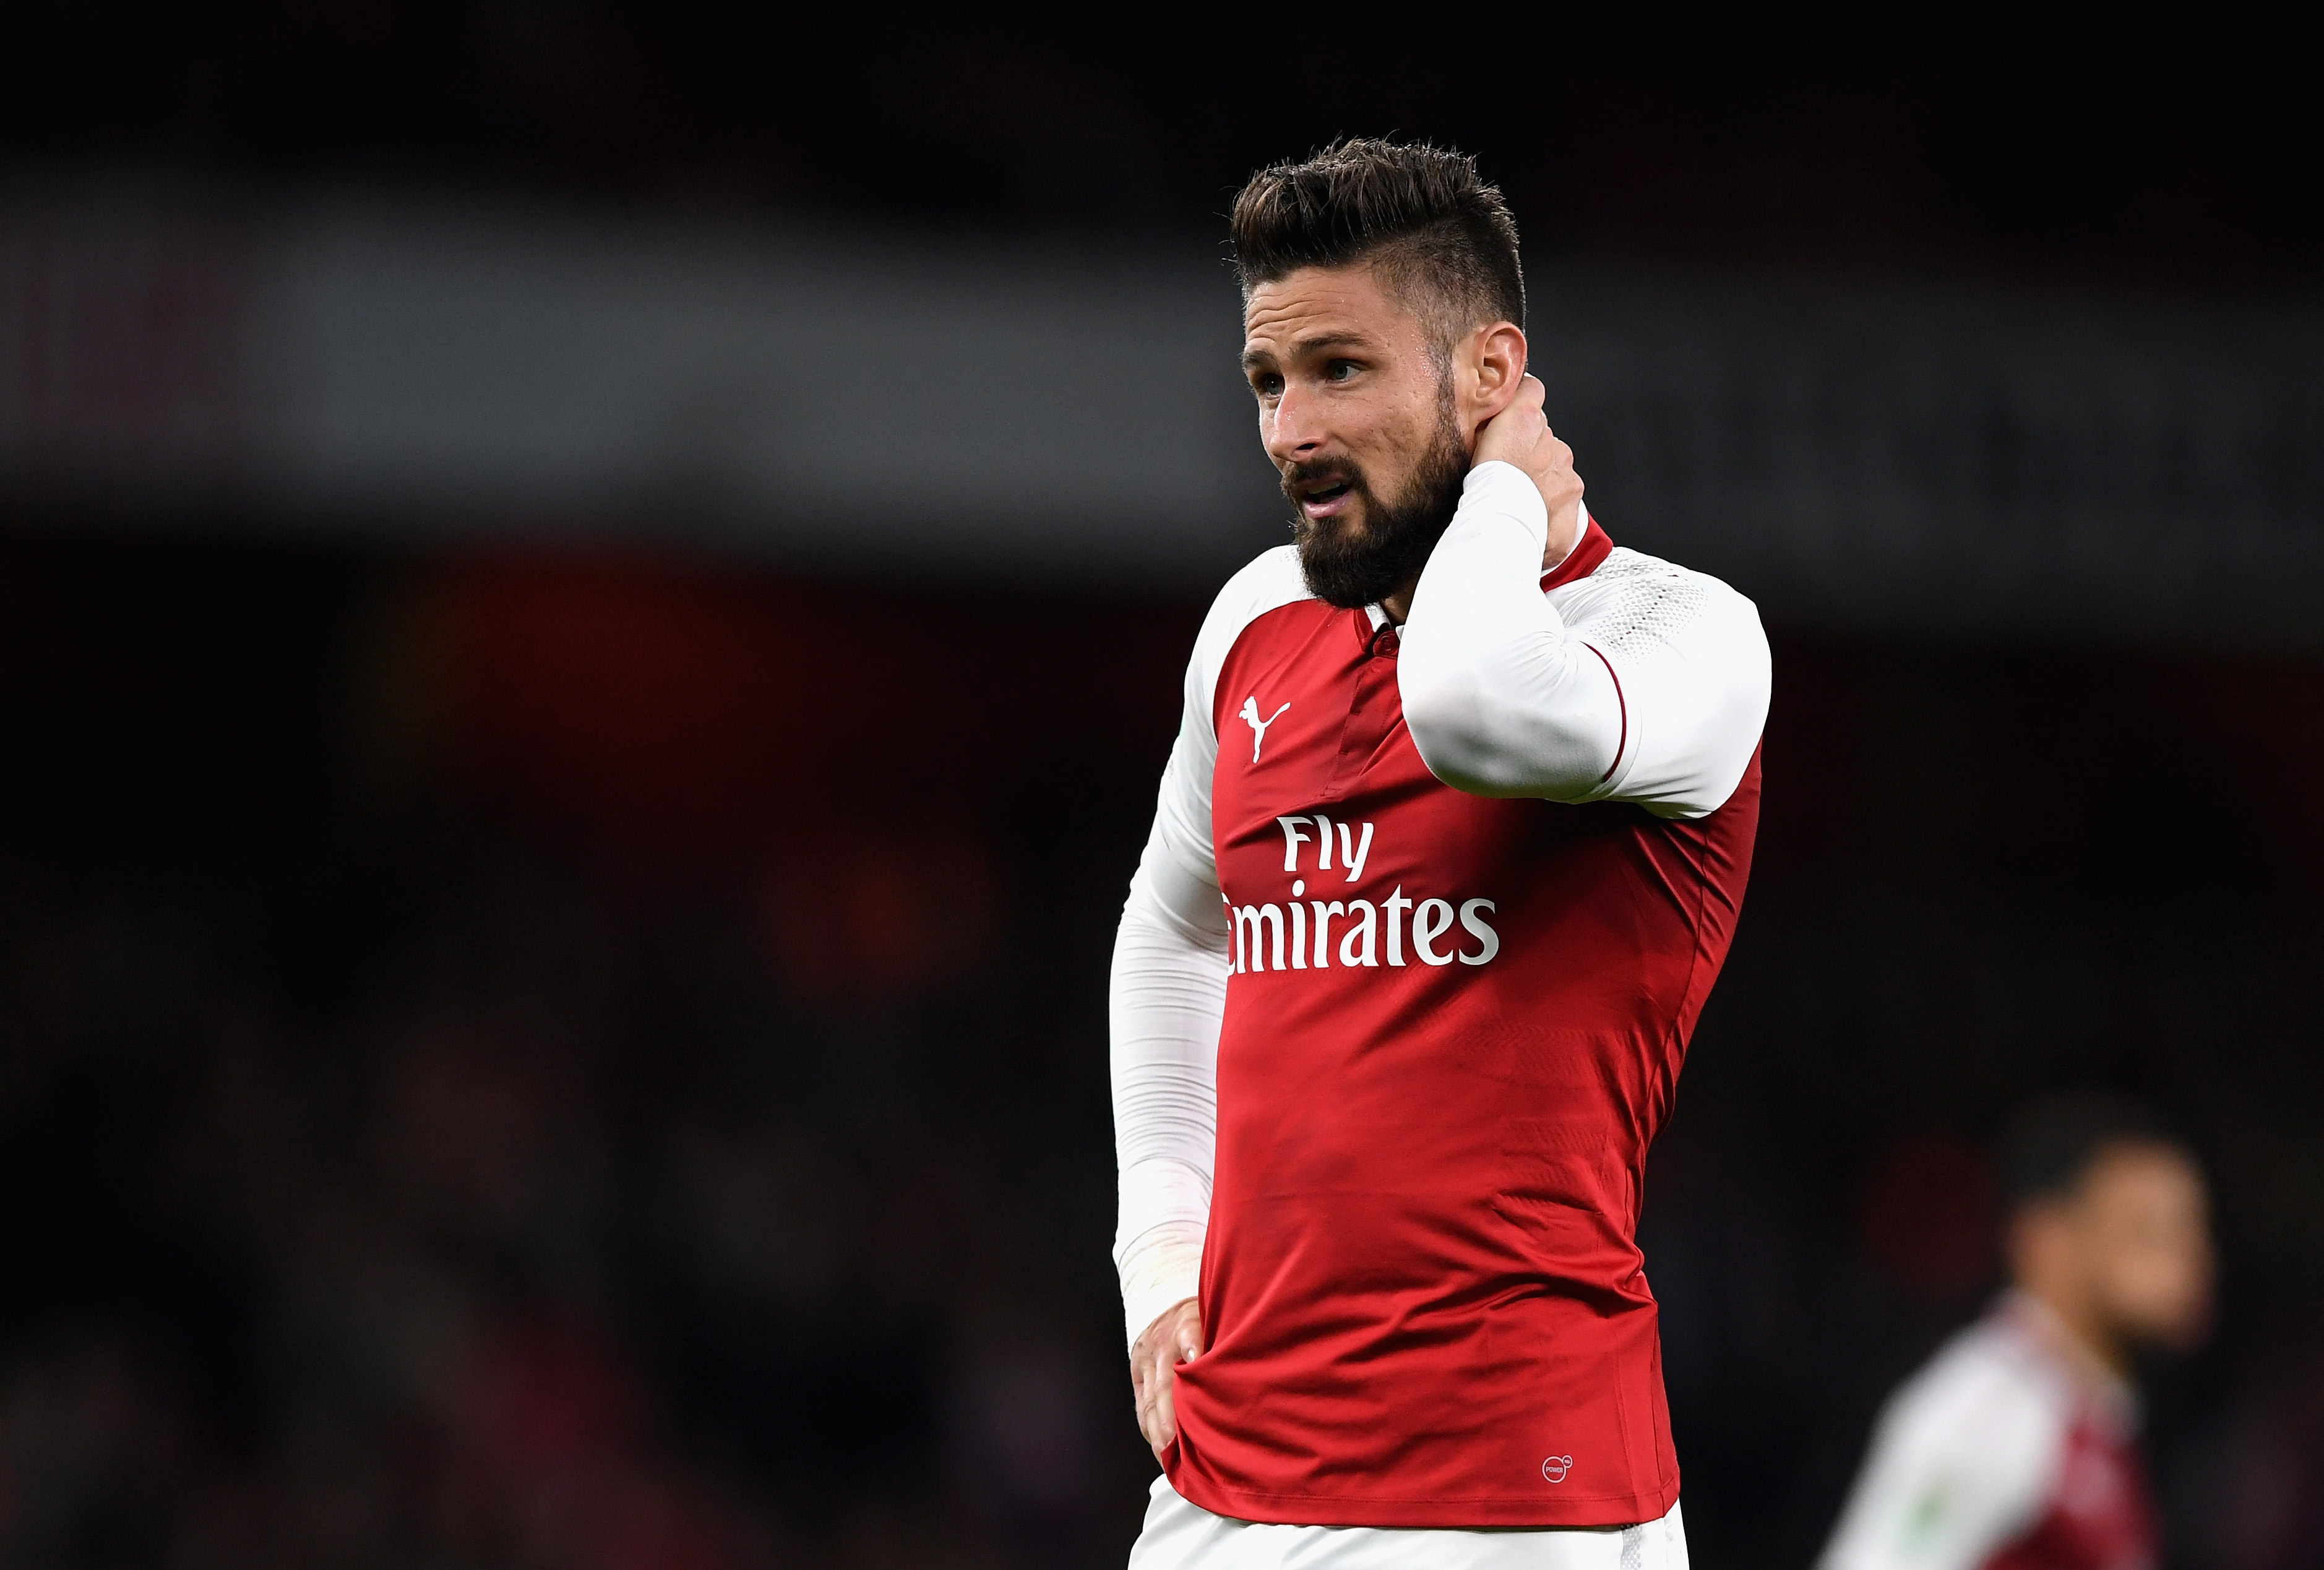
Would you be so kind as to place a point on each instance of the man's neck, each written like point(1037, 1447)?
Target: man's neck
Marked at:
point(2081, 1334)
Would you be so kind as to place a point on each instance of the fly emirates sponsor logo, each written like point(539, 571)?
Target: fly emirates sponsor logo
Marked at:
point(1367, 934)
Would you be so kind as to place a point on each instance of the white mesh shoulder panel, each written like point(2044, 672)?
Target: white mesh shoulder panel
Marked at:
point(1694, 666)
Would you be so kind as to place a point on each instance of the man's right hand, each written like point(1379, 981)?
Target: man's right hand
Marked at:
point(1520, 435)
point(1176, 1336)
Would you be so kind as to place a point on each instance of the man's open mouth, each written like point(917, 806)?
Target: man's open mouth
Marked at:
point(1321, 498)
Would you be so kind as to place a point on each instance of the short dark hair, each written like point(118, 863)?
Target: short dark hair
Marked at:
point(2049, 1146)
point(1440, 236)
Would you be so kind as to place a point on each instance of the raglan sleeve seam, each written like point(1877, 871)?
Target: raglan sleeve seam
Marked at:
point(1694, 695)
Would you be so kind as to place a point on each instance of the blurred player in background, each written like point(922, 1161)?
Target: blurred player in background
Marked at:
point(1447, 856)
point(2015, 1448)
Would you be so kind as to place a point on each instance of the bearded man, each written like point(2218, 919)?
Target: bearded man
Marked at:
point(1401, 991)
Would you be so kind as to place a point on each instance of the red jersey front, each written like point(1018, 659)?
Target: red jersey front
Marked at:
point(1452, 1027)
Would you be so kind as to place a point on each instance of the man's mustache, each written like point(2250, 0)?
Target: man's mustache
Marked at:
point(1318, 472)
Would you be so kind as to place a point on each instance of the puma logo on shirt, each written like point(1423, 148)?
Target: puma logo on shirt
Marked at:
point(1257, 726)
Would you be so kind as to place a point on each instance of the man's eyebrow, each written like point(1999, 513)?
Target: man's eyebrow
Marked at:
point(1301, 348)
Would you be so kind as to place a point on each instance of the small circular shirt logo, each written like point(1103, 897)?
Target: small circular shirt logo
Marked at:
point(1554, 1469)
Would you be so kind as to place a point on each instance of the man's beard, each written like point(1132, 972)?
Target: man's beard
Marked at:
point(1350, 570)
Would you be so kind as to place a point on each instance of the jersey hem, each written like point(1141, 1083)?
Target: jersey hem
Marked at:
point(1309, 1510)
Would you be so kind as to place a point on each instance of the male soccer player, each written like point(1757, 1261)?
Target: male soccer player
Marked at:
point(2012, 1450)
point(1448, 855)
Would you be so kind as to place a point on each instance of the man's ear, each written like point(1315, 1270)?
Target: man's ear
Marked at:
point(1496, 360)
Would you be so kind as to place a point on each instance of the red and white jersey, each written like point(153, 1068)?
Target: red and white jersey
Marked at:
point(1399, 1002)
point(2008, 1452)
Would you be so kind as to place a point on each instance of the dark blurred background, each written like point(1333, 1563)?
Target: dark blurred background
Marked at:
point(591, 599)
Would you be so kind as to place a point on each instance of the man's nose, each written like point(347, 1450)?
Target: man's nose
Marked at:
point(1296, 430)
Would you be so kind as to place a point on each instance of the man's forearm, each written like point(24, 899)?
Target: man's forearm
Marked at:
point(1498, 699)
point(1166, 995)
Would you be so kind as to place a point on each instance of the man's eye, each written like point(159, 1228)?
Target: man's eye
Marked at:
point(1339, 369)
point(1267, 386)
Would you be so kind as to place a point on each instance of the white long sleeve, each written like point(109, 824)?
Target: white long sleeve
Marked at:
point(1169, 986)
point(1167, 993)
point(1641, 682)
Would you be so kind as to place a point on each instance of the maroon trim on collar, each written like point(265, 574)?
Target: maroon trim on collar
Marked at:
point(1588, 554)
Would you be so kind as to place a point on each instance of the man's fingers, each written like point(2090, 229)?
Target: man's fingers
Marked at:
point(1176, 1336)
point(1158, 1417)
point(1512, 435)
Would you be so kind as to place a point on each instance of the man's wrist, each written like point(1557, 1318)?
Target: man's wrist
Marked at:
point(1161, 1269)
point(1555, 552)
